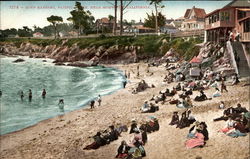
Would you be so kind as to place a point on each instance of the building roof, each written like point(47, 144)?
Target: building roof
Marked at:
point(234, 3)
point(187, 13)
point(104, 20)
point(238, 3)
point(37, 33)
point(168, 26)
point(144, 28)
point(176, 23)
point(169, 20)
point(199, 12)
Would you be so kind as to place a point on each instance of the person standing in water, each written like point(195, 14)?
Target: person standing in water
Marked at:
point(44, 93)
point(61, 105)
point(1, 93)
point(21, 95)
point(30, 95)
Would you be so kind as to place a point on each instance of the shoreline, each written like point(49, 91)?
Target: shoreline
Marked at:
point(64, 136)
point(79, 107)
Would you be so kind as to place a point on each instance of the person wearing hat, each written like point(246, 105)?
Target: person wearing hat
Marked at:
point(193, 130)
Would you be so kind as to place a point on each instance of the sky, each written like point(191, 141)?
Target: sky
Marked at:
point(15, 14)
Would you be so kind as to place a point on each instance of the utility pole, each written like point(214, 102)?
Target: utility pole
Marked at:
point(115, 22)
point(121, 18)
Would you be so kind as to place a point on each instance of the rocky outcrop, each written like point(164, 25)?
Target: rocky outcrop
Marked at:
point(63, 53)
point(19, 60)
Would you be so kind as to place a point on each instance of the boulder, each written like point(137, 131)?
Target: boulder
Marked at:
point(19, 60)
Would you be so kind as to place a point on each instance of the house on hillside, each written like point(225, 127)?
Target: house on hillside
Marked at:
point(38, 35)
point(168, 29)
point(194, 19)
point(104, 25)
point(168, 21)
point(142, 29)
point(234, 17)
point(176, 24)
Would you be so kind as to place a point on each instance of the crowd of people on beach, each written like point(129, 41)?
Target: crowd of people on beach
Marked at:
point(238, 119)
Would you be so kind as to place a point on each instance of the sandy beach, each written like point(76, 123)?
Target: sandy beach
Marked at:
point(65, 136)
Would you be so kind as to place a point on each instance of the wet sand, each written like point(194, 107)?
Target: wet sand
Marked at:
point(65, 136)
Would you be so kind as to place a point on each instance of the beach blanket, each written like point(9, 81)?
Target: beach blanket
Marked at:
point(197, 141)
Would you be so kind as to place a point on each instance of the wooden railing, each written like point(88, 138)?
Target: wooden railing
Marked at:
point(245, 37)
point(189, 33)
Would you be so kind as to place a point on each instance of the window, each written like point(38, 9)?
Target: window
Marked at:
point(222, 16)
point(241, 14)
point(227, 16)
point(247, 25)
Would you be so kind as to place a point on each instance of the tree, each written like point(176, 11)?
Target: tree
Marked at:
point(156, 3)
point(111, 17)
point(82, 20)
point(151, 20)
point(25, 32)
point(54, 20)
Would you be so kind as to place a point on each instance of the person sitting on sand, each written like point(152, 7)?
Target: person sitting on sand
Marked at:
point(143, 129)
point(196, 141)
point(183, 121)
point(229, 112)
point(178, 87)
point(98, 141)
point(153, 125)
point(113, 134)
point(239, 129)
point(153, 108)
point(240, 109)
point(137, 137)
point(122, 151)
point(182, 103)
point(216, 93)
point(222, 105)
point(229, 125)
point(175, 119)
point(193, 129)
point(201, 97)
point(191, 118)
point(203, 128)
point(145, 108)
point(235, 79)
point(189, 102)
point(133, 126)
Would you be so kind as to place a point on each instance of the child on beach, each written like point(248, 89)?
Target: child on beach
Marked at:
point(99, 100)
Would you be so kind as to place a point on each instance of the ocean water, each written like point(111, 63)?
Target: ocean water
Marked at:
point(77, 86)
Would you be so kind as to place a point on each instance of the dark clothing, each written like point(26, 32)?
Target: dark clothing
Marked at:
point(205, 133)
point(175, 120)
point(240, 110)
point(240, 127)
point(202, 97)
point(123, 149)
point(144, 137)
point(133, 126)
